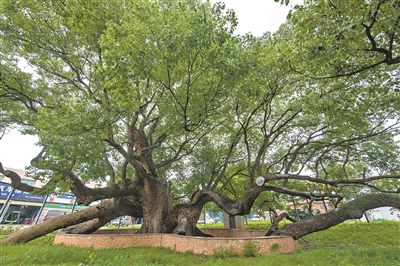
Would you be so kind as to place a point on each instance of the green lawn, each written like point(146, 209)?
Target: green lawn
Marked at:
point(376, 243)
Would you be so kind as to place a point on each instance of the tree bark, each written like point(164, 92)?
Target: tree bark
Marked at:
point(274, 227)
point(96, 216)
point(125, 206)
point(160, 216)
point(351, 210)
point(187, 217)
point(157, 207)
point(88, 227)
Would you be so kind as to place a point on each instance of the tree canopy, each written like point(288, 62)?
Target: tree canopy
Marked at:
point(343, 38)
point(160, 101)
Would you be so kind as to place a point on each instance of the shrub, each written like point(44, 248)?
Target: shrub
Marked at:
point(251, 249)
point(275, 247)
point(223, 253)
point(9, 229)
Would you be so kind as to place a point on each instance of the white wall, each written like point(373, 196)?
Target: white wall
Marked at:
point(384, 213)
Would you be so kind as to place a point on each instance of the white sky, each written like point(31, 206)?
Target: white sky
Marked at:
point(258, 16)
point(255, 16)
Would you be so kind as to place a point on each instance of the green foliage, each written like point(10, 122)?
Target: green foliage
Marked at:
point(9, 228)
point(335, 35)
point(224, 253)
point(275, 247)
point(251, 249)
point(217, 110)
point(96, 64)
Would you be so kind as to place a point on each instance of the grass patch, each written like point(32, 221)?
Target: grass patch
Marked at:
point(375, 243)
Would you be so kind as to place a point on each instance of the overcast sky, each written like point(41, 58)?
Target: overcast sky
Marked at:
point(258, 16)
point(255, 16)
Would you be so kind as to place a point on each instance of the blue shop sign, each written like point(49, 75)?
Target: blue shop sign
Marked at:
point(62, 195)
point(5, 190)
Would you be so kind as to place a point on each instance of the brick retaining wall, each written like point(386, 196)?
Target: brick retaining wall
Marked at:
point(122, 238)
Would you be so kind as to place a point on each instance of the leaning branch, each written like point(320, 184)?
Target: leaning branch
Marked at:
point(16, 180)
point(17, 183)
point(335, 183)
point(351, 210)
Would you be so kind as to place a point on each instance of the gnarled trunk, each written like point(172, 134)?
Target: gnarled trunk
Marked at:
point(157, 207)
point(187, 216)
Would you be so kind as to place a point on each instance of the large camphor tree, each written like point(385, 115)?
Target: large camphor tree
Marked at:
point(164, 106)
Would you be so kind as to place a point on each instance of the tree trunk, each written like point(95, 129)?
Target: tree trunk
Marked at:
point(125, 206)
point(157, 208)
point(187, 217)
point(351, 210)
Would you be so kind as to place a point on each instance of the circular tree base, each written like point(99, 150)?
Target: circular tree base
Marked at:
point(237, 241)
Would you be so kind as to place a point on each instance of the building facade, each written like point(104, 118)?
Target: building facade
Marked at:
point(23, 208)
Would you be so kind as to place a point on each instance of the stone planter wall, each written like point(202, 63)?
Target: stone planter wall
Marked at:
point(122, 238)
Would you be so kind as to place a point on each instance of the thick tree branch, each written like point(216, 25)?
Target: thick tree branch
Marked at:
point(274, 227)
point(351, 210)
point(17, 184)
point(362, 181)
point(108, 208)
